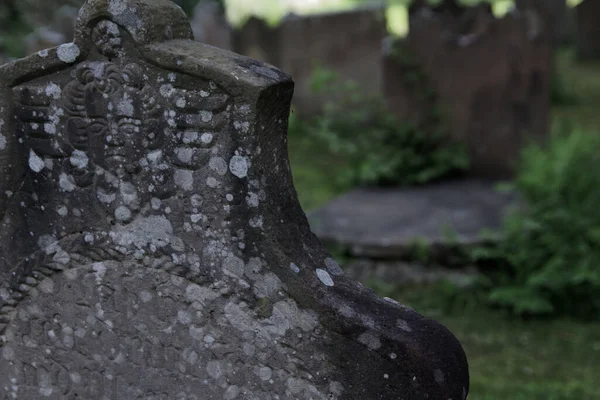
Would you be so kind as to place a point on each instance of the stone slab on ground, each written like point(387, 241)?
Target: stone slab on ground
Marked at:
point(386, 222)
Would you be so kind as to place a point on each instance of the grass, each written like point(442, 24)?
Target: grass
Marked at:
point(510, 359)
point(513, 359)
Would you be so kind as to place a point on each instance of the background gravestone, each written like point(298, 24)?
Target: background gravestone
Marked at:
point(555, 15)
point(348, 43)
point(152, 244)
point(491, 78)
point(210, 25)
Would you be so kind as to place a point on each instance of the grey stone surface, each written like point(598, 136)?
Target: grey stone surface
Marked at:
point(151, 242)
point(388, 222)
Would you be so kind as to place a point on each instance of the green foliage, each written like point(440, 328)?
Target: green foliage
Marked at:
point(380, 149)
point(552, 245)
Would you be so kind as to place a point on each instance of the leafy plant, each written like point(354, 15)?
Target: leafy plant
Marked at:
point(552, 245)
point(381, 150)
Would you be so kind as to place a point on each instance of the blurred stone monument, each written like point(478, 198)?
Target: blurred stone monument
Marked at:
point(490, 78)
point(152, 244)
point(348, 43)
point(588, 29)
point(556, 17)
point(210, 25)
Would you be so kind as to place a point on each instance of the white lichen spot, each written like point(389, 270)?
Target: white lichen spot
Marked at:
point(324, 277)
point(238, 166)
point(402, 324)
point(66, 182)
point(68, 52)
point(79, 159)
point(212, 182)
point(256, 222)
point(294, 268)
point(181, 103)
point(219, 165)
point(50, 128)
point(369, 340)
point(204, 93)
point(206, 138)
point(145, 296)
point(123, 214)
point(99, 270)
point(229, 197)
point(231, 392)
point(43, 53)
point(393, 356)
point(155, 156)
point(252, 199)
point(333, 267)
point(184, 179)
point(117, 7)
point(184, 317)
point(3, 141)
point(206, 116)
point(185, 154)
point(35, 162)
point(244, 127)
point(439, 376)
point(63, 211)
point(53, 90)
point(215, 369)
point(166, 90)
point(125, 106)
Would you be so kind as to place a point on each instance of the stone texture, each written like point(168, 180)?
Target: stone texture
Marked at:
point(348, 43)
point(588, 29)
point(387, 223)
point(152, 244)
point(491, 78)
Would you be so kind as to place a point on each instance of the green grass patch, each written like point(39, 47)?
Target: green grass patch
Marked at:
point(513, 359)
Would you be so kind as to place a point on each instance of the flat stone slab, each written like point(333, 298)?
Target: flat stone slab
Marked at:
point(386, 222)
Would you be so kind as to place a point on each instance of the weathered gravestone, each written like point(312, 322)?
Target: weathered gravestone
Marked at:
point(348, 43)
point(152, 245)
point(490, 76)
point(588, 30)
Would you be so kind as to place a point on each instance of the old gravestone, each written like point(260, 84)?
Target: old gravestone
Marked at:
point(346, 42)
point(152, 245)
point(491, 77)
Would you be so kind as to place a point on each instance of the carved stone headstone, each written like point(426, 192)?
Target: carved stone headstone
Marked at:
point(151, 241)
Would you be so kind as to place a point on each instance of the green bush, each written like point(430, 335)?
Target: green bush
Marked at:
point(380, 150)
point(552, 244)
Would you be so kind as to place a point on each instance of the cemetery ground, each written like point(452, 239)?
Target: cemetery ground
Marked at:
point(510, 357)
